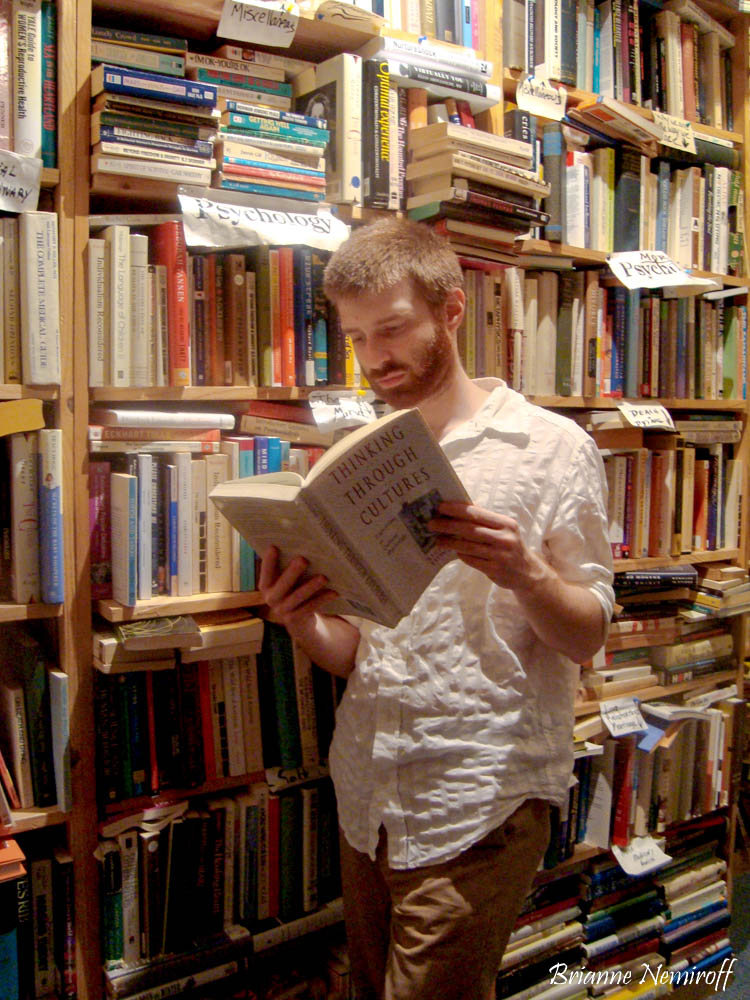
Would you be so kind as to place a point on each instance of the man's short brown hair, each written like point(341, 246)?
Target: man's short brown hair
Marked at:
point(378, 256)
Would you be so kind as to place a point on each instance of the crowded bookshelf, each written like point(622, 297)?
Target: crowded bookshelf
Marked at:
point(164, 330)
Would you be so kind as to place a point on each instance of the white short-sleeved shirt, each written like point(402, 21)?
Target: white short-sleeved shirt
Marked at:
point(453, 718)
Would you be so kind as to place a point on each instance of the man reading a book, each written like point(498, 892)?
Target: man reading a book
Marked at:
point(454, 734)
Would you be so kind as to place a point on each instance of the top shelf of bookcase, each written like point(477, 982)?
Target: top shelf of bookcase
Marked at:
point(198, 19)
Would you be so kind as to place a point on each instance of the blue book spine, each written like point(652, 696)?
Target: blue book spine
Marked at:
point(255, 123)
point(274, 454)
point(145, 574)
point(662, 205)
point(51, 549)
point(138, 83)
point(261, 455)
point(466, 24)
point(200, 148)
point(682, 350)
point(319, 319)
point(618, 342)
point(136, 693)
point(632, 343)
point(172, 543)
point(274, 191)
point(264, 165)
point(49, 83)
point(687, 918)
point(293, 117)
point(247, 555)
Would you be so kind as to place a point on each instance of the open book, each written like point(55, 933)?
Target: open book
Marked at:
point(359, 517)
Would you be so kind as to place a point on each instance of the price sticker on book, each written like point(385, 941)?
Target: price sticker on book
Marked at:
point(649, 416)
point(622, 716)
point(335, 411)
point(19, 182)
point(675, 132)
point(642, 854)
point(539, 97)
point(259, 22)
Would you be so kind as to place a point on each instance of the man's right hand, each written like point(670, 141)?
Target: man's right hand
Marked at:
point(295, 603)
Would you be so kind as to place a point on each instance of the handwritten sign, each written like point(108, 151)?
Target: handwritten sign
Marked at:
point(654, 269)
point(642, 855)
point(649, 416)
point(675, 132)
point(222, 225)
point(259, 22)
point(334, 411)
point(539, 97)
point(622, 716)
point(19, 182)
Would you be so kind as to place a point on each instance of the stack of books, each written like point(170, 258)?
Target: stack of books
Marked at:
point(721, 591)
point(148, 120)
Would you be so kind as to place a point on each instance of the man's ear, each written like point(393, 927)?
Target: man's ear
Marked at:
point(454, 307)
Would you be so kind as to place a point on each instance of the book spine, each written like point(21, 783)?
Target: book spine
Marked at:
point(6, 75)
point(51, 552)
point(218, 531)
point(117, 295)
point(24, 529)
point(27, 82)
point(237, 121)
point(226, 78)
point(119, 80)
point(124, 528)
point(42, 922)
point(40, 298)
point(151, 60)
point(275, 114)
point(11, 295)
point(49, 84)
point(132, 167)
point(96, 290)
point(168, 249)
point(139, 39)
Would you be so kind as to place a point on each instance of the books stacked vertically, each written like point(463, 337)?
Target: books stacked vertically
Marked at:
point(147, 120)
point(28, 79)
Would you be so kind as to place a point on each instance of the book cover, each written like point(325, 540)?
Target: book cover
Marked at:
point(167, 247)
point(124, 537)
point(27, 81)
point(39, 298)
point(138, 83)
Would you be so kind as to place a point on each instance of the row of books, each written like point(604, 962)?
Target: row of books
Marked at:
point(161, 316)
point(258, 857)
point(34, 726)
point(596, 930)
point(28, 79)
point(228, 714)
point(37, 920)
point(673, 59)
point(31, 509)
point(30, 299)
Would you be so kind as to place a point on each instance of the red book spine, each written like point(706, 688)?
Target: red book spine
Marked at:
point(207, 725)
point(99, 530)
point(286, 311)
point(623, 790)
point(168, 248)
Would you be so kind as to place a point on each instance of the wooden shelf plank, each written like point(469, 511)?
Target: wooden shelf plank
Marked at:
point(9, 390)
point(610, 403)
point(718, 555)
point(169, 795)
point(157, 607)
point(207, 393)
point(657, 691)
point(27, 612)
point(33, 819)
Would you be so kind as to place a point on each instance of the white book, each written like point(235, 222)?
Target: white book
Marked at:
point(24, 514)
point(11, 300)
point(530, 330)
point(514, 34)
point(131, 167)
point(6, 74)
point(230, 671)
point(199, 60)
point(97, 289)
point(145, 463)
point(110, 147)
point(600, 806)
point(607, 55)
point(131, 921)
point(140, 311)
point(40, 298)
point(667, 25)
point(197, 419)
point(183, 461)
point(27, 82)
point(333, 90)
point(219, 539)
point(14, 738)
point(159, 350)
point(546, 341)
point(124, 528)
point(198, 506)
point(117, 243)
point(232, 450)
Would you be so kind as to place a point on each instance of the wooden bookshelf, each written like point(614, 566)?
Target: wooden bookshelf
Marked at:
point(9, 390)
point(25, 820)
point(158, 607)
point(29, 612)
point(658, 691)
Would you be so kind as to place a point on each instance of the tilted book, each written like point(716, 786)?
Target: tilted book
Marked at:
point(359, 517)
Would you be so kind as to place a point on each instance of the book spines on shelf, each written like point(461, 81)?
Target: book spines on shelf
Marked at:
point(138, 83)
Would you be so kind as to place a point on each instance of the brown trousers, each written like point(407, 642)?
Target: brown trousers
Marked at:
point(439, 932)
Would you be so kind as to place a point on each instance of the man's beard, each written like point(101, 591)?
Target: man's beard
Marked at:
point(426, 373)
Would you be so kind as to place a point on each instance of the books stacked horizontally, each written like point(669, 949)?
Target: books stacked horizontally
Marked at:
point(147, 120)
point(490, 178)
point(721, 591)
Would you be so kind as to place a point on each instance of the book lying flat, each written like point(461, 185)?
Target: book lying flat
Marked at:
point(359, 517)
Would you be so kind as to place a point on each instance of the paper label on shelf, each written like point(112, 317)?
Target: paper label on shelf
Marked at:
point(654, 269)
point(622, 716)
point(262, 23)
point(649, 416)
point(336, 410)
point(642, 855)
point(19, 182)
point(220, 225)
point(675, 132)
point(539, 97)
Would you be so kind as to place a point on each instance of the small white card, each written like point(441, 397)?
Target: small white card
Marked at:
point(675, 132)
point(622, 716)
point(654, 269)
point(649, 416)
point(641, 855)
point(336, 410)
point(19, 182)
point(539, 97)
point(262, 23)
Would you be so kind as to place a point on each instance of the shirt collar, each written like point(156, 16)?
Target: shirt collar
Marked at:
point(503, 414)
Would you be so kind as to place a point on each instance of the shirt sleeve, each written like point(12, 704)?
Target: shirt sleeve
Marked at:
point(577, 540)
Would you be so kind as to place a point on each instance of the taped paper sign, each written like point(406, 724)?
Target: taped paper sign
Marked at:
point(539, 97)
point(336, 410)
point(675, 132)
point(19, 182)
point(649, 416)
point(622, 716)
point(642, 855)
point(654, 269)
point(271, 23)
point(221, 225)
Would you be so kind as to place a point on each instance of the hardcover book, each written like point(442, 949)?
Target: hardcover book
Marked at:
point(360, 517)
